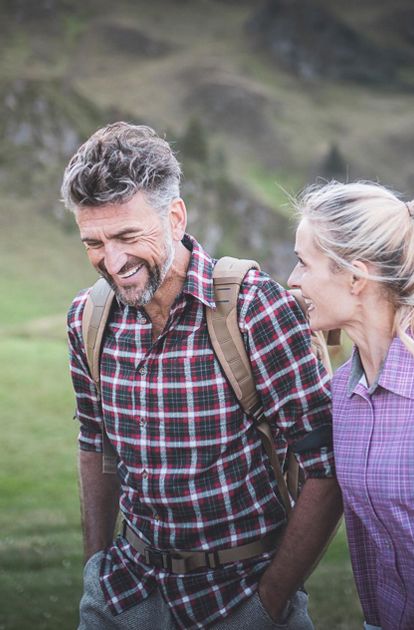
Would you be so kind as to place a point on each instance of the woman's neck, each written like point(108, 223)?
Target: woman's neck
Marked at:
point(372, 333)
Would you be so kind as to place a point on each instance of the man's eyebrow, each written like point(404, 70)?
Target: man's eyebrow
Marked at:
point(127, 230)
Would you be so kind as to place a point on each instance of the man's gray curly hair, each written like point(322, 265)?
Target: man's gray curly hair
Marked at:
point(118, 161)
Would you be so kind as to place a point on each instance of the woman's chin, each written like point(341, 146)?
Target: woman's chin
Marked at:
point(314, 323)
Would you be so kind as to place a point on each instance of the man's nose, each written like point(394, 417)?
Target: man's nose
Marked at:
point(114, 259)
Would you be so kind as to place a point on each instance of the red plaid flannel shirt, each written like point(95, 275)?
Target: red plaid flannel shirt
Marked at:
point(193, 472)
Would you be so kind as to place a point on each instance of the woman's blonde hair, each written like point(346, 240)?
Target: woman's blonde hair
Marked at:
point(368, 222)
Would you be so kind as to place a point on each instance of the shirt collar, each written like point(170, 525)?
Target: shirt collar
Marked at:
point(395, 373)
point(199, 279)
point(356, 372)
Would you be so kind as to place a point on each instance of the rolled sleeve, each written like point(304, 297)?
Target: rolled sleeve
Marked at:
point(293, 385)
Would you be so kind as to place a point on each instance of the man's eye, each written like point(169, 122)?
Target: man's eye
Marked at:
point(92, 244)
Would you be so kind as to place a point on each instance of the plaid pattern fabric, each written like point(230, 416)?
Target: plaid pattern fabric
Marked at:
point(374, 447)
point(193, 472)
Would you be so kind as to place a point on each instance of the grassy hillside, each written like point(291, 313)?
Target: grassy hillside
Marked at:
point(66, 68)
point(43, 267)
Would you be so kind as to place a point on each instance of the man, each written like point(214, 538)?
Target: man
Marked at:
point(192, 475)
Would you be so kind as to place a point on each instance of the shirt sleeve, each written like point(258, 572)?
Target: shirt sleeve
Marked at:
point(88, 406)
point(293, 385)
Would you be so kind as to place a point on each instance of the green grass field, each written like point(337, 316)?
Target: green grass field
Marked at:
point(40, 549)
point(40, 545)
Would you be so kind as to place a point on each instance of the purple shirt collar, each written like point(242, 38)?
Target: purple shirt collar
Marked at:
point(395, 373)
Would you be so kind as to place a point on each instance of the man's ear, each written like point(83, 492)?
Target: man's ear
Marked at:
point(178, 219)
point(358, 282)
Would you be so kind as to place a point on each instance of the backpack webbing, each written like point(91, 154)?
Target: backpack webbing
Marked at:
point(229, 348)
point(95, 316)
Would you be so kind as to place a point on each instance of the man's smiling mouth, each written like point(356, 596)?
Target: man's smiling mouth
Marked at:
point(130, 272)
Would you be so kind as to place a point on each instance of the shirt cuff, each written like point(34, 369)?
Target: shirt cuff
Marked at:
point(90, 440)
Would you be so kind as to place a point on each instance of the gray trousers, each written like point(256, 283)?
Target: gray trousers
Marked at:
point(153, 613)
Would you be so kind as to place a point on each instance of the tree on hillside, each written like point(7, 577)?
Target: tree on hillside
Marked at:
point(194, 142)
point(334, 165)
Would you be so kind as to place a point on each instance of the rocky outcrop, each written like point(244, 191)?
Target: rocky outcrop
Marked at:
point(306, 37)
point(41, 124)
point(132, 41)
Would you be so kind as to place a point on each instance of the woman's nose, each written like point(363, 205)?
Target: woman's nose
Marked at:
point(293, 280)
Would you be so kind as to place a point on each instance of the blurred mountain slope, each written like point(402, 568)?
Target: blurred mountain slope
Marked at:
point(225, 82)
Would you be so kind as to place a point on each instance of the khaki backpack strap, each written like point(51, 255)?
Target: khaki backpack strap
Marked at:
point(95, 315)
point(228, 345)
point(269, 446)
point(224, 331)
point(293, 476)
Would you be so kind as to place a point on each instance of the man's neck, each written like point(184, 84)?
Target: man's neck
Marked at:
point(159, 308)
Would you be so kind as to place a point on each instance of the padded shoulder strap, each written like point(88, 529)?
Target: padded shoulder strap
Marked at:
point(95, 315)
point(228, 345)
point(224, 331)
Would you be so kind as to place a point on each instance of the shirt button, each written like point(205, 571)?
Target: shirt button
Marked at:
point(142, 320)
point(142, 371)
point(156, 517)
point(145, 474)
point(143, 422)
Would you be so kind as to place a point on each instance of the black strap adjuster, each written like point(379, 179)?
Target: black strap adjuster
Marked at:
point(158, 559)
point(212, 559)
point(257, 413)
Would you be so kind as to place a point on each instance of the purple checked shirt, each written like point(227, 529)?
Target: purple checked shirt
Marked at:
point(374, 453)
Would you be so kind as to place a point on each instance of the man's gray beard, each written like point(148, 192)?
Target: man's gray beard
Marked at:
point(156, 276)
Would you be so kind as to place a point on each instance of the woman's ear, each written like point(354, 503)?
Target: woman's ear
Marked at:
point(358, 282)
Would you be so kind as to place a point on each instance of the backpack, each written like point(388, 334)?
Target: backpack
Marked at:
point(228, 345)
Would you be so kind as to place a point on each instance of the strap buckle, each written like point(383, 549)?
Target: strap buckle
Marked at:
point(212, 559)
point(158, 559)
point(257, 413)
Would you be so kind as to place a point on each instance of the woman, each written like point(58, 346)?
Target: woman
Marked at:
point(355, 249)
